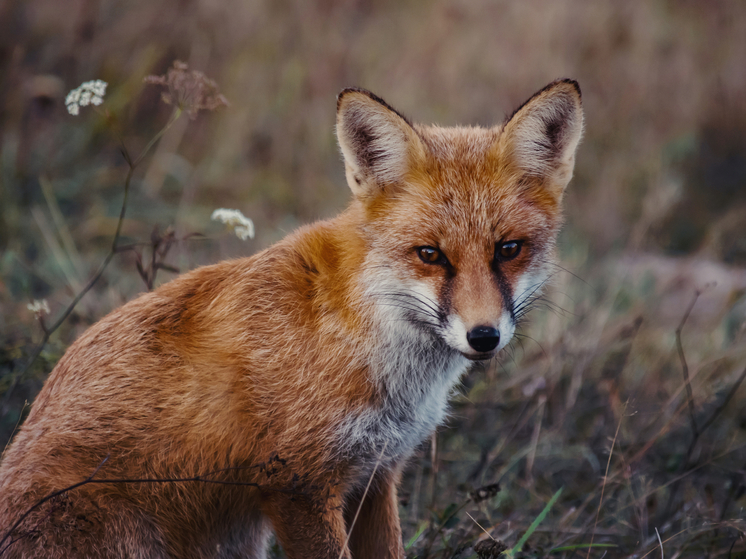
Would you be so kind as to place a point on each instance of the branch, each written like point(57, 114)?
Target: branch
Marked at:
point(684, 366)
point(48, 331)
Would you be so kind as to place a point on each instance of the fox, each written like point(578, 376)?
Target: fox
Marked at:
point(285, 392)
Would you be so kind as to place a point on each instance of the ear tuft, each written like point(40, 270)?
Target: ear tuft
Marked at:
point(377, 142)
point(542, 136)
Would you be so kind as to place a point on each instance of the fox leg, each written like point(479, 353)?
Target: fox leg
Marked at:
point(307, 527)
point(376, 533)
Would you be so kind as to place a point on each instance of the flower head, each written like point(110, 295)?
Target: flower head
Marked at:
point(38, 307)
point(242, 225)
point(189, 90)
point(87, 93)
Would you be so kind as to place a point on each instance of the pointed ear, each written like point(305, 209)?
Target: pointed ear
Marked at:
point(378, 144)
point(541, 137)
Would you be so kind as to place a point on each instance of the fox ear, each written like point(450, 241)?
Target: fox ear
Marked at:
point(378, 144)
point(541, 137)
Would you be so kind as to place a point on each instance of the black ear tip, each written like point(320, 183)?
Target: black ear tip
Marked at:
point(370, 95)
point(560, 84)
point(348, 90)
point(568, 81)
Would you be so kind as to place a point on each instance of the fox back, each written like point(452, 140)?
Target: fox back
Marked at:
point(284, 392)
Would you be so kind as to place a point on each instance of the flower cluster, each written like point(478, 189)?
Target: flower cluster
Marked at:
point(242, 225)
point(88, 93)
point(189, 90)
point(38, 307)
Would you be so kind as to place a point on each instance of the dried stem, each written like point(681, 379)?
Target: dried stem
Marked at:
point(684, 366)
point(606, 477)
point(48, 331)
point(362, 500)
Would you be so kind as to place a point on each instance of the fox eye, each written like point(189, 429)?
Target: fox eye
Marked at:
point(507, 250)
point(430, 255)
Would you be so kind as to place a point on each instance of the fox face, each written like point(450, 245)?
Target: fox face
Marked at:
point(460, 222)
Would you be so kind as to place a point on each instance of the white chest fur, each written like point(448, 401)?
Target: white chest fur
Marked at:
point(415, 374)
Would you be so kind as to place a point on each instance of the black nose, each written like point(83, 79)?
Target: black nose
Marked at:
point(483, 338)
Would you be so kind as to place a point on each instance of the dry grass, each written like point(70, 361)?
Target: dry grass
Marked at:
point(655, 214)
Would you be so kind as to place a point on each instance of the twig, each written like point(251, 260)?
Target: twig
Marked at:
point(50, 330)
point(606, 476)
point(725, 402)
point(710, 420)
point(442, 526)
point(20, 416)
point(481, 527)
point(535, 438)
point(659, 542)
point(665, 541)
point(362, 500)
point(684, 366)
point(434, 467)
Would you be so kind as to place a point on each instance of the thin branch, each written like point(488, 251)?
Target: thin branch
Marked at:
point(684, 366)
point(362, 500)
point(665, 541)
point(725, 402)
point(48, 331)
point(659, 542)
point(20, 416)
point(606, 477)
point(710, 420)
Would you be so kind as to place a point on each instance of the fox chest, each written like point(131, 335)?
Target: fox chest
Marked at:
point(414, 402)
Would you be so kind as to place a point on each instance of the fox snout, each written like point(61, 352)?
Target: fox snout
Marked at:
point(482, 341)
point(483, 338)
point(479, 339)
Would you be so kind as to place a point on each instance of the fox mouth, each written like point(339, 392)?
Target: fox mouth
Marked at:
point(484, 356)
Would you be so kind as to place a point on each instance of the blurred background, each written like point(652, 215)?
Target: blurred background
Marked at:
point(655, 223)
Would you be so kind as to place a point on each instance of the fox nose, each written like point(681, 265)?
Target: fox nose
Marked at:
point(483, 338)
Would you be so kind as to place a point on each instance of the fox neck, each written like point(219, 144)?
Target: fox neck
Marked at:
point(410, 368)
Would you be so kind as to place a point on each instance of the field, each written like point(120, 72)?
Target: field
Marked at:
point(624, 388)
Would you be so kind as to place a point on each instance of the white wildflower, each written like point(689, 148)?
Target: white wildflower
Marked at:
point(87, 93)
point(242, 226)
point(38, 307)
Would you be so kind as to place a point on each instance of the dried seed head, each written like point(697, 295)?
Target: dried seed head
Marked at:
point(87, 93)
point(39, 307)
point(487, 549)
point(484, 493)
point(242, 225)
point(189, 90)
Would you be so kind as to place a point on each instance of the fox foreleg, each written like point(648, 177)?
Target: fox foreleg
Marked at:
point(376, 533)
point(308, 527)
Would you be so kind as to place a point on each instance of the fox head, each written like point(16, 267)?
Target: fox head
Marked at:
point(460, 223)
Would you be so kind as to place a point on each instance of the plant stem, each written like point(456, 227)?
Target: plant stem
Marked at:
point(102, 267)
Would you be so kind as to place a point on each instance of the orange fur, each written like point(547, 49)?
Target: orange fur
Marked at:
point(282, 380)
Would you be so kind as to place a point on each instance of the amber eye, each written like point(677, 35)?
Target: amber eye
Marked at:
point(430, 255)
point(508, 250)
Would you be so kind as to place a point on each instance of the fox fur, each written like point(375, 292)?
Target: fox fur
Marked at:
point(261, 394)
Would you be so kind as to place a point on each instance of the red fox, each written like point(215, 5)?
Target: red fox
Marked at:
point(266, 394)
